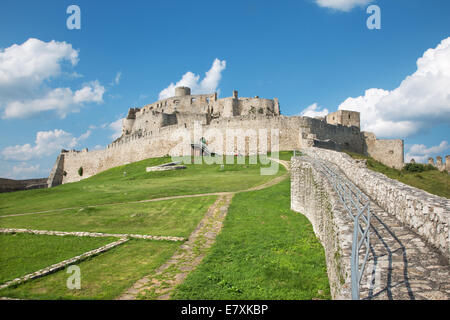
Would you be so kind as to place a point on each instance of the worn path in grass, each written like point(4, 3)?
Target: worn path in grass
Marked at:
point(262, 186)
point(161, 283)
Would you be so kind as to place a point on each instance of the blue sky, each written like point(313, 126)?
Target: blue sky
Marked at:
point(308, 53)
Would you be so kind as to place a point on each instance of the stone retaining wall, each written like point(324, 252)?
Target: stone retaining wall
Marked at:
point(9, 185)
point(426, 214)
point(313, 196)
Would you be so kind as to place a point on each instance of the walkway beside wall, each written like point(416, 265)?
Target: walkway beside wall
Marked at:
point(401, 266)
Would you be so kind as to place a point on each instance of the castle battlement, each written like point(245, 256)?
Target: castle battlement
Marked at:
point(184, 108)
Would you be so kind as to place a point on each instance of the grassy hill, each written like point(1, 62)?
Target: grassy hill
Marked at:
point(288, 261)
point(112, 186)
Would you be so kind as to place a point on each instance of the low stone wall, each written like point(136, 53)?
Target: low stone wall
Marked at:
point(313, 196)
point(424, 213)
point(9, 185)
point(58, 266)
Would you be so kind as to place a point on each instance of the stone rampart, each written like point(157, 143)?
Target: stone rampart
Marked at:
point(313, 196)
point(426, 214)
point(294, 133)
point(388, 152)
point(9, 185)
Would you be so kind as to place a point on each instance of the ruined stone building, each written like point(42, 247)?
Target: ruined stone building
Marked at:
point(160, 128)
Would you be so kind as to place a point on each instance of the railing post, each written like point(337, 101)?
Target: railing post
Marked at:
point(355, 261)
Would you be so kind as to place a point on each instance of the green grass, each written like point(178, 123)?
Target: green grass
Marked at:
point(21, 254)
point(169, 217)
point(105, 276)
point(285, 155)
point(112, 186)
point(432, 181)
point(265, 251)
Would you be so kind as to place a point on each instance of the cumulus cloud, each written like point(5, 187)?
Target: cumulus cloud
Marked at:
point(342, 5)
point(421, 153)
point(60, 100)
point(46, 143)
point(208, 84)
point(34, 61)
point(314, 111)
point(116, 127)
point(421, 101)
point(24, 170)
point(25, 73)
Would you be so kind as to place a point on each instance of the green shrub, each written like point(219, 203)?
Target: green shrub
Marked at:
point(80, 171)
point(418, 167)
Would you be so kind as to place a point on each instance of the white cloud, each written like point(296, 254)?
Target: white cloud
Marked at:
point(34, 61)
point(421, 101)
point(117, 78)
point(46, 143)
point(314, 111)
point(60, 100)
point(27, 69)
point(24, 170)
point(421, 153)
point(98, 147)
point(342, 5)
point(209, 83)
point(116, 126)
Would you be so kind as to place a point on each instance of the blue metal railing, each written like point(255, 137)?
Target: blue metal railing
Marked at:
point(357, 205)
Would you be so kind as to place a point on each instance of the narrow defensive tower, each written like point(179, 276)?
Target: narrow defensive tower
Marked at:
point(182, 91)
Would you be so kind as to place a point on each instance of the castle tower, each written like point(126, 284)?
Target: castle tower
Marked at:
point(128, 122)
point(431, 161)
point(439, 164)
point(182, 91)
point(276, 106)
point(447, 163)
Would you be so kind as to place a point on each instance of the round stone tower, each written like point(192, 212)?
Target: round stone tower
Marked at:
point(182, 91)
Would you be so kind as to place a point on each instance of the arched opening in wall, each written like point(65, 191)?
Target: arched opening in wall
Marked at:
point(349, 116)
point(193, 100)
point(207, 100)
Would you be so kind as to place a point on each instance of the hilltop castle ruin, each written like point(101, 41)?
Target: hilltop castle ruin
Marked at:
point(153, 131)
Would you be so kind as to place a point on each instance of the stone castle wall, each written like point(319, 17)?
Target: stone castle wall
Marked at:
point(294, 133)
point(426, 214)
point(313, 196)
point(9, 185)
point(389, 152)
point(440, 165)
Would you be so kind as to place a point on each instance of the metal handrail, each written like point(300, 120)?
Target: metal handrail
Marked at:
point(357, 205)
point(202, 146)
